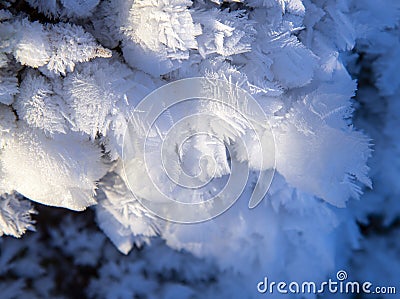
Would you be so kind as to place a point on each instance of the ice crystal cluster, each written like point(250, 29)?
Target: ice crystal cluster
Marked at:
point(325, 73)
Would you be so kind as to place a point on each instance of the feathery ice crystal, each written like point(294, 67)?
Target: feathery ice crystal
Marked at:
point(72, 73)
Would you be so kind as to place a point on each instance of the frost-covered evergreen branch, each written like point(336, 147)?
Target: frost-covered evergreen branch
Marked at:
point(73, 72)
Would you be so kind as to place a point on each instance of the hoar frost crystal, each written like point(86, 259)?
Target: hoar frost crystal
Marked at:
point(73, 75)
